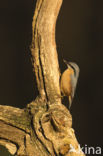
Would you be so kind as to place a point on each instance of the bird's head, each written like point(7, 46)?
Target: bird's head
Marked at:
point(74, 67)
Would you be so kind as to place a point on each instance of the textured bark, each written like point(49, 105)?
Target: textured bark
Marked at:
point(44, 127)
point(43, 49)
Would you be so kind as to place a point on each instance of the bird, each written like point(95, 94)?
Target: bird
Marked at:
point(69, 80)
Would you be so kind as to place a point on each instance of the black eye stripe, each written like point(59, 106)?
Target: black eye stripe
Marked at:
point(73, 69)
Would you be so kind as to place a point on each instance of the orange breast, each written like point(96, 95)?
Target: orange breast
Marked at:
point(66, 87)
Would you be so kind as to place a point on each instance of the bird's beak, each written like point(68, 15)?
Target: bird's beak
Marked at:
point(67, 63)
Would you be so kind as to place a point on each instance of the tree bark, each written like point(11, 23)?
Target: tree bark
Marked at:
point(44, 127)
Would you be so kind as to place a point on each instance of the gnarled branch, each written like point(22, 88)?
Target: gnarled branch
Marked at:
point(43, 49)
point(44, 127)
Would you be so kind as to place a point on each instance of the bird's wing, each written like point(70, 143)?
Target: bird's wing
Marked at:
point(73, 84)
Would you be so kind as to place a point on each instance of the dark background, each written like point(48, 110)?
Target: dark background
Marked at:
point(79, 37)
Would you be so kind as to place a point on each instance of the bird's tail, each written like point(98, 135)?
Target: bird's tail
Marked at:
point(70, 101)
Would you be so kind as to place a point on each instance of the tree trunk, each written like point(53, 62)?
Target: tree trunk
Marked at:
point(44, 127)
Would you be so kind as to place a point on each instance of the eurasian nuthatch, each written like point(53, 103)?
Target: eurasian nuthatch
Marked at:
point(69, 80)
